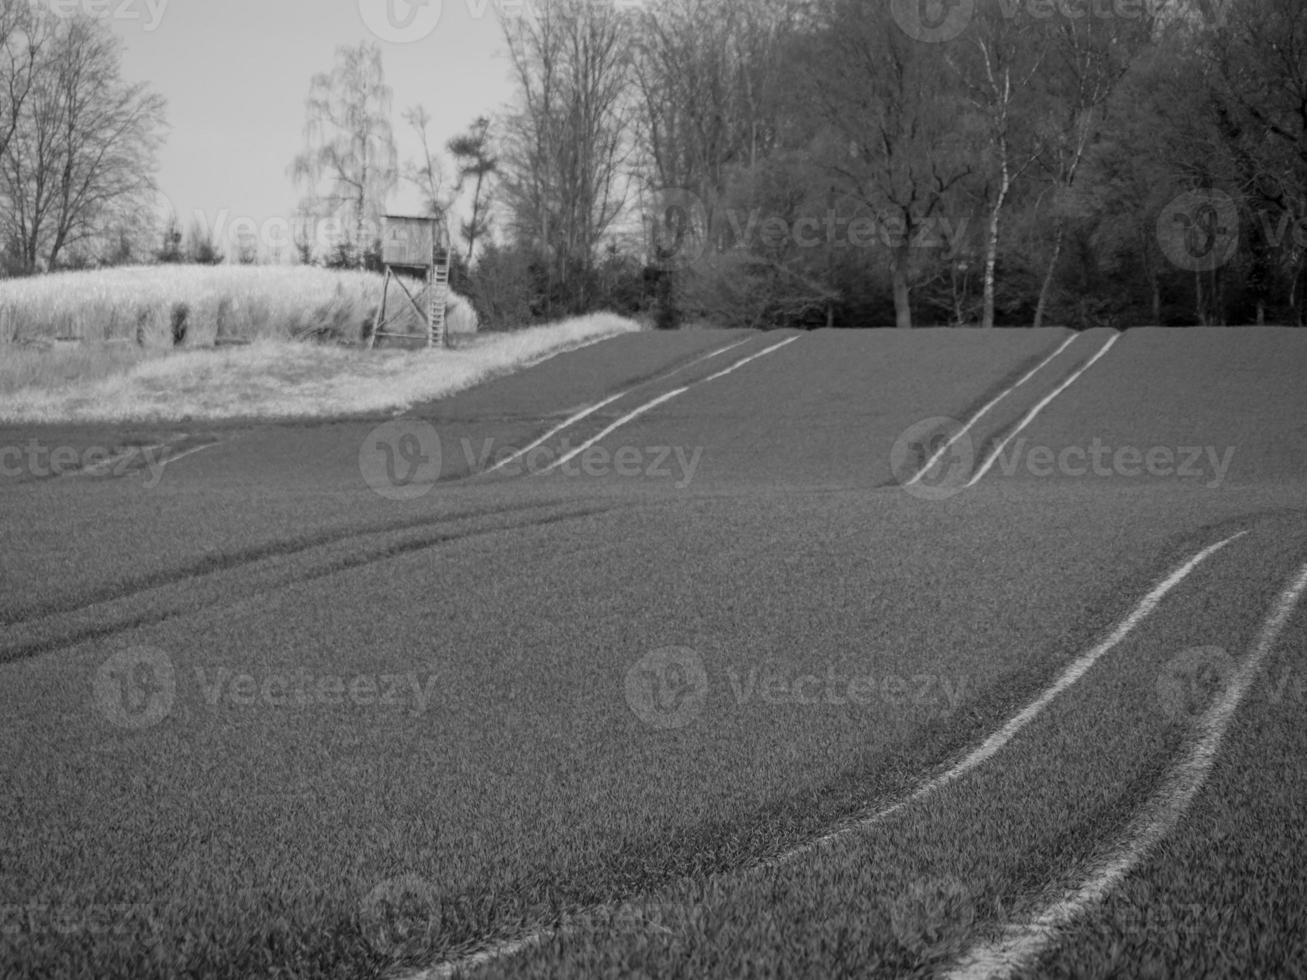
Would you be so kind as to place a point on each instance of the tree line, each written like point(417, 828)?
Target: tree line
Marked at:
point(841, 162)
point(764, 162)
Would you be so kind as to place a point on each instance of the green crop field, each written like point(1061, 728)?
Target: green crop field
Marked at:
point(714, 677)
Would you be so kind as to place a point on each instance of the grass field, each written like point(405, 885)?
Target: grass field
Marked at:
point(400, 734)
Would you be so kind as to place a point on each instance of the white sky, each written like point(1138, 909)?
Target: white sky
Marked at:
point(236, 74)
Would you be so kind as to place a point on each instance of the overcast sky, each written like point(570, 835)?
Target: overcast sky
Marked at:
point(236, 74)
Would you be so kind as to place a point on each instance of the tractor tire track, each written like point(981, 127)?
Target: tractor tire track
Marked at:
point(173, 595)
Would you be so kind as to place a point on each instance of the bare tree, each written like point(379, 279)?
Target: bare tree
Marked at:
point(709, 76)
point(566, 145)
point(1164, 140)
point(349, 143)
point(23, 37)
point(1258, 84)
point(427, 174)
point(893, 105)
point(1087, 62)
point(82, 158)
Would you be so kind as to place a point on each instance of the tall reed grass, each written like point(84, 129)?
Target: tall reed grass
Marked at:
point(197, 306)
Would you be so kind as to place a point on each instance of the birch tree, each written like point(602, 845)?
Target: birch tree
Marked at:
point(997, 62)
point(349, 144)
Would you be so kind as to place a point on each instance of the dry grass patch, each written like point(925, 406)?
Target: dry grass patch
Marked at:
point(284, 379)
point(143, 304)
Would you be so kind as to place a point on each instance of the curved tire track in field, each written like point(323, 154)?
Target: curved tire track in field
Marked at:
point(986, 749)
point(1021, 944)
point(89, 619)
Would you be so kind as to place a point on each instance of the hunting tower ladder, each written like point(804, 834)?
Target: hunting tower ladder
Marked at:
point(438, 296)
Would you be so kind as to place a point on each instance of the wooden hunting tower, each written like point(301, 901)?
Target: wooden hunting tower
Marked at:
point(421, 245)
